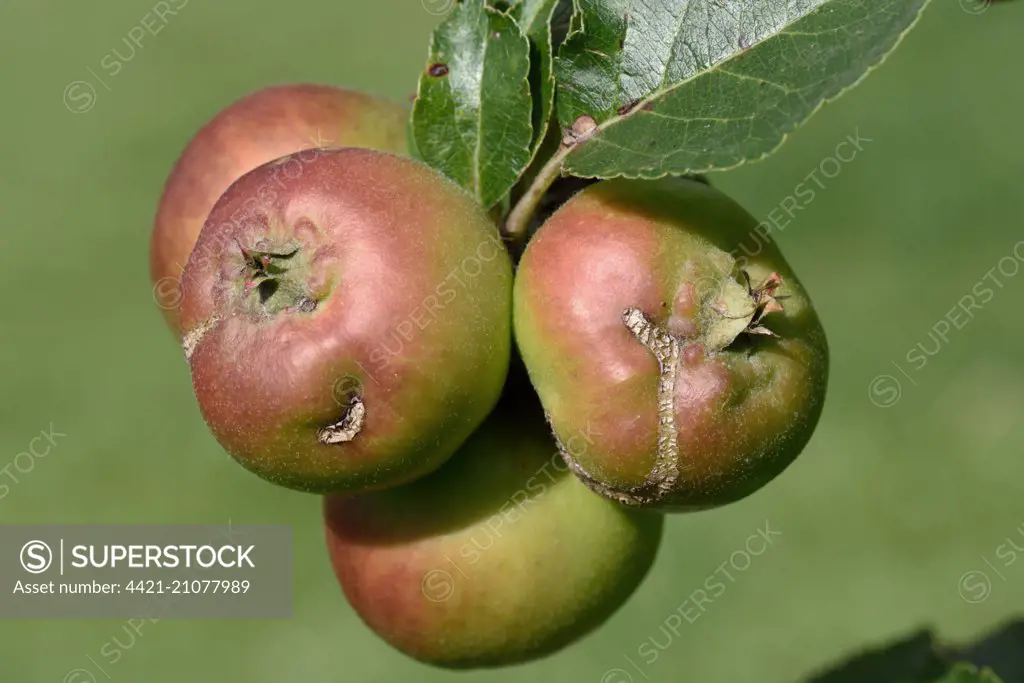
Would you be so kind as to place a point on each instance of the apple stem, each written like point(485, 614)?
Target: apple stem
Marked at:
point(517, 224)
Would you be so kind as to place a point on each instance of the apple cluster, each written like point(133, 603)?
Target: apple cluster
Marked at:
point(495, 437)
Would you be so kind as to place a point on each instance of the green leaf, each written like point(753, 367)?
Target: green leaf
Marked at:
point(968, 673)
point(1001, 650)
point(534, 18)
point(912, 659)
point(684, 86)
point(919, 658)
point(472, 116)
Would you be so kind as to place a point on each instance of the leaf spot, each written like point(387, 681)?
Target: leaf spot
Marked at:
point(628, 107)
point(582, 128)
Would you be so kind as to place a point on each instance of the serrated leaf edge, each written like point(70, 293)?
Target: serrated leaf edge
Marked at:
point(638, 107)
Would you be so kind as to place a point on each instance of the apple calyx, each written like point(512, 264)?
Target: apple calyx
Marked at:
point(767, 300)
point(275, 282)
point(735, 309)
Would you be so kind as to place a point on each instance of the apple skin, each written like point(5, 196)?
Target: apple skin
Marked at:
point(384, 300)
point(739, 407)
point(258, 128)
point(498, 558)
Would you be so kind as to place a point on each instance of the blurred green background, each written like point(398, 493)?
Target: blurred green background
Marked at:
point(881, 517)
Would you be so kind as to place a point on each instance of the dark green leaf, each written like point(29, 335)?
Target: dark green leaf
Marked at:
point(472, 117)
point(918, 658)
point(681, 86)
point(914, 659)
point(968, 673)
point(1001, 650)
point(560, 23)
point(534, 17)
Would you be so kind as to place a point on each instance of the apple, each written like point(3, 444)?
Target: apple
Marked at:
point(347, 322)
point(704, 368)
